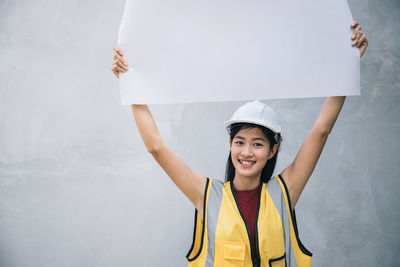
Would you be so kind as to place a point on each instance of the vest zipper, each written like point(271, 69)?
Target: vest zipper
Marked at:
point(255, 260)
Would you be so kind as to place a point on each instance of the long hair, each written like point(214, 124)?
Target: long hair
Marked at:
point(269, 167)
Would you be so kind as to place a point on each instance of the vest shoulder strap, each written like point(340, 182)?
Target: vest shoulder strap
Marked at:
point(201, 252)
point(296, 253)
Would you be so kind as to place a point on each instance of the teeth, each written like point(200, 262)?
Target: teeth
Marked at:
point(247, 162)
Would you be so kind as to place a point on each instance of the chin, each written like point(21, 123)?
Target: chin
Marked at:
point(247, 173)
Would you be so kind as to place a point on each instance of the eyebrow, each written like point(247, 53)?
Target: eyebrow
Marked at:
point(254, 139)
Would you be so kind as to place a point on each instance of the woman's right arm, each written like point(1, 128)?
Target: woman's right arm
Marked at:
point(189, 182)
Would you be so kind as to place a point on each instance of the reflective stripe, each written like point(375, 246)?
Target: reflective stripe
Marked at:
point(213, 206)
point(277, 196)
point(298, 253)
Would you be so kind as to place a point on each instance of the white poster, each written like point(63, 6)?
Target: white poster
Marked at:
point(182, 51)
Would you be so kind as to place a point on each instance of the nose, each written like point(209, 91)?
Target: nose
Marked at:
point(247, 151)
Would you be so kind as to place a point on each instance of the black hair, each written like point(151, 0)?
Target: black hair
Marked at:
point(269, 167)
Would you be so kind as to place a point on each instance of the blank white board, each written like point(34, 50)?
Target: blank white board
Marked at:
point(182, 51)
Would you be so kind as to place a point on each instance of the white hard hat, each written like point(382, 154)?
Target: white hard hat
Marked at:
point(256, 112)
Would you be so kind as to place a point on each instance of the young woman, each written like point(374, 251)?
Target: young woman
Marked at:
point(250, 219)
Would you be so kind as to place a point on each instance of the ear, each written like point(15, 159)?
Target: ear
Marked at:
point(273, 151)
point(230, 142)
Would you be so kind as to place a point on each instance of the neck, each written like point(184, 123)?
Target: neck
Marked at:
point(246, 183)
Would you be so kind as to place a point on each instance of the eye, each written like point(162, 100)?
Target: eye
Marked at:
point(239, 142)
point(258, 144)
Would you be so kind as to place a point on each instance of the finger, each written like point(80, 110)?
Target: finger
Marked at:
point(362, 50)
point(116, 73)
point(354, 33)
point(118, 57)
point(114, 68)
point(361, 41)
point(363, 45)
point(117, 68)
point(121, 62)
point(354, 24)
point(121, 65)
point(357, 38)
point(118, 50)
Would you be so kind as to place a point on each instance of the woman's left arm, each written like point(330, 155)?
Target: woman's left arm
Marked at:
point(299, 171)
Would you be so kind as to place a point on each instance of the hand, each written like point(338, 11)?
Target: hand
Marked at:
point(358, 38)
point(119, 64)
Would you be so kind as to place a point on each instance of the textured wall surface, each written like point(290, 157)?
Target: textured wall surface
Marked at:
point(78, 188)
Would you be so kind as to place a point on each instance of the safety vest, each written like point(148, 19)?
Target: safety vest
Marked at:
point(225, 241)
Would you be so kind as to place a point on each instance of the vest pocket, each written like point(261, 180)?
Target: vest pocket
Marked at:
point(234, 253)
point(278, 262)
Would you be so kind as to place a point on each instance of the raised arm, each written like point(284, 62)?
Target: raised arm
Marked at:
point(189, 182)
point(299, 171)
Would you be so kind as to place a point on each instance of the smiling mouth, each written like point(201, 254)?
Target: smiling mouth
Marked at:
point(246, 163)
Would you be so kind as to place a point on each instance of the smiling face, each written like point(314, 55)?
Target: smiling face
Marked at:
point(250, 151)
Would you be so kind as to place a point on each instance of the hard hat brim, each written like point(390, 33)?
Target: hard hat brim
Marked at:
point(227, 125)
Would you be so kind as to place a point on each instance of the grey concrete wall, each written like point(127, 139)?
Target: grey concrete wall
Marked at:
point(77, 187)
